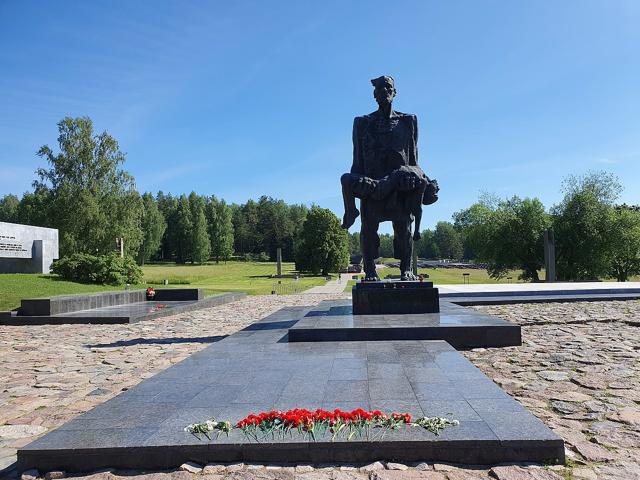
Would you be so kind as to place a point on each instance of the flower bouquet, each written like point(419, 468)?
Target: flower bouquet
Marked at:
point(314, 424)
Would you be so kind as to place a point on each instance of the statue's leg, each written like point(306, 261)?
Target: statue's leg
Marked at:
point(349, 199)
point(402, 245)
point(370, 243)
point(416, 207)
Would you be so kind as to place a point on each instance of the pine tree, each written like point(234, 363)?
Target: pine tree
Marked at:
point(220, 220)
point(201, 245)
point(153, 228)
point(183, 230)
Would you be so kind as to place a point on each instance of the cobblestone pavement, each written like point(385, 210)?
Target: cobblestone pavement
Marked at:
point(578, 370)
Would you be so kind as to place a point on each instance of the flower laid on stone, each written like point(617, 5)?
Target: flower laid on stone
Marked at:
point(160, 306)
point(211, 425)
point(356, 423)
point(309, 423)
point(436, 424)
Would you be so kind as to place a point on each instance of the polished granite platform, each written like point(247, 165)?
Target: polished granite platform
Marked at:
point(115, 314)
point(461, 327)
point(537, 297)
point(385, 297)
point(258, 369)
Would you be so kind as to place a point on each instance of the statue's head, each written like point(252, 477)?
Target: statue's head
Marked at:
point(384, 89)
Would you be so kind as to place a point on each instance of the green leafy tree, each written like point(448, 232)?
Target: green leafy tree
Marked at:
point(582, 224)
point(426, 246)
point(506, 234)
point(475, 226)
point(168, 207)
point(201, 244)
point(386, 245)
point(153, 228)
point(276, 227)
point(297, 215)
point(183, 228)
point(354, 244)
point(246, 235)
point(518, 237)
point(219, 219)
point(448, 241)
point(87, 196)
point(323, 246)
point(200, 241)
point(624, 243)
point(34, 208)
point(9, 205)
point(262, 227)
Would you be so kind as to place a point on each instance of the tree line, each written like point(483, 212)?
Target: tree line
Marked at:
point(87, 195)
point(442, 242)
point(595, 237)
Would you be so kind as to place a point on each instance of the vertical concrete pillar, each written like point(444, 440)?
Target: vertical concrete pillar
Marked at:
point(279, 262)
point(37, 258)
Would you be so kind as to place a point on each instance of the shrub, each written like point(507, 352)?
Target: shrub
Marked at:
point(322, 245)
point(103, 269)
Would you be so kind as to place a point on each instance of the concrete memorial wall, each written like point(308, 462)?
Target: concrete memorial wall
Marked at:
point(27, 249)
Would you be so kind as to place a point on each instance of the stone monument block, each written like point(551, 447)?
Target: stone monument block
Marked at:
point(27, 249)
point(394, 297)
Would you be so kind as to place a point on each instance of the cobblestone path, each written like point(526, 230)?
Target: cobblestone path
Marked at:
point(578, 370)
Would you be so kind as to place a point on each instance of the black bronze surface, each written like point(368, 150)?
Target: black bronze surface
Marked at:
point(385, 176)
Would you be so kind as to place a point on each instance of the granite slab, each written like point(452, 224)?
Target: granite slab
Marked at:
point(394, 297)
point(122, 313)
point(258, 369)
point(462, 328)
point(477, 298)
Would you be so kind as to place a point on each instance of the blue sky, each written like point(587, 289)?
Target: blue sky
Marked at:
point(241, 99)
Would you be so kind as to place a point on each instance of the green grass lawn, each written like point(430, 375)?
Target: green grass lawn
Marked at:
point(451, 276)
point(251, 277)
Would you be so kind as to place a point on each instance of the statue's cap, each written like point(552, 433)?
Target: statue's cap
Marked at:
point(380, 81)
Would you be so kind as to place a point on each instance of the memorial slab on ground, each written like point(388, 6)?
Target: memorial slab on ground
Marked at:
point(257, 369)
point(112, 307)
point(460, 327)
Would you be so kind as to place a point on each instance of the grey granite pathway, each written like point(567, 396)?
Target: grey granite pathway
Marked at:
point(541, 287)
point(332, 287)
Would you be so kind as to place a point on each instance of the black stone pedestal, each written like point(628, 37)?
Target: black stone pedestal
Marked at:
point(394, 296)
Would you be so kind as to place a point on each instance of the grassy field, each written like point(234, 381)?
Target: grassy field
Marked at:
point(452, 276)
point(251, 277)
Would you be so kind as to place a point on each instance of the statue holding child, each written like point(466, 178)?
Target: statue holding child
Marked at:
point(385, 176)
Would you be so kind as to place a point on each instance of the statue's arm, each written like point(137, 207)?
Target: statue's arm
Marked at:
point(413, 148)
point(358, 163)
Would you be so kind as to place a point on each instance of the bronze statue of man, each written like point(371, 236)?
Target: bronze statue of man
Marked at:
point(385, 176)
